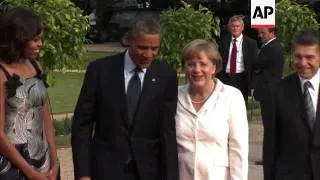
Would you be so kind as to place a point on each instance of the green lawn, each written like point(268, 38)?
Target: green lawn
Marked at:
point(63, 141)
point(90, 56)
point(64, 94)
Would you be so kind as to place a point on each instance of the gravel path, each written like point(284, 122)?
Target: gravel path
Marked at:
point(66, 165)
point(255, 172)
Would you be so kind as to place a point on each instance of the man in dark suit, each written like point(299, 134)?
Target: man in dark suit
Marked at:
point(267, 70)
point(238, 53)
point(291, 147)
point(123, 126)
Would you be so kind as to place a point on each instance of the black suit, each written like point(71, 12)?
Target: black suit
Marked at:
point(267, 72)
point(150, 141)
point(291, 149)
point(249, 50)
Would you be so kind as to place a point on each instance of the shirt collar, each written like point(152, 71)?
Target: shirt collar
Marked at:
point(315, 80)
point(239, 38)
point(128, 63)
point(269, 41)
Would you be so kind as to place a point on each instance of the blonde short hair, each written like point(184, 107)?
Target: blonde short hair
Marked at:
point(195, 47)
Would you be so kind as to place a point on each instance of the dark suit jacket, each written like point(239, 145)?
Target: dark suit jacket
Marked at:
point(101, 108)
point(267, 70)
point(291, 149)
point(249, 50)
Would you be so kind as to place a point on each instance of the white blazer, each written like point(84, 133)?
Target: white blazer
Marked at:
point(213, 142)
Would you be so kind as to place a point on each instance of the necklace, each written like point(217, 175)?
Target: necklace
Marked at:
point(205, 98)
point(201, 101)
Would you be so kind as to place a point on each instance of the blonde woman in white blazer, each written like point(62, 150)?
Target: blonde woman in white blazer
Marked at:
point(211, 120)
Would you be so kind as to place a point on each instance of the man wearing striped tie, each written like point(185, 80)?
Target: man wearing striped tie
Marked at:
point(291, 148)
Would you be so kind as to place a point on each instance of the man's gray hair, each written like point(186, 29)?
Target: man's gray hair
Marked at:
point(236, 18)
point(148, 23)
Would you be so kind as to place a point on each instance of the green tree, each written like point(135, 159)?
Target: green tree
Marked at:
point(65, 30)
point(292, 17)
point(182, 26)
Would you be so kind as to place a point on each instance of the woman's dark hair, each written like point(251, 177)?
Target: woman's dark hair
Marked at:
point(17, 27)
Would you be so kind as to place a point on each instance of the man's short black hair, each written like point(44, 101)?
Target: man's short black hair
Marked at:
point(307, 37)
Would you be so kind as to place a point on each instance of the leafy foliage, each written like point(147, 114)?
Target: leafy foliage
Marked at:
point(182, 26)
point(63, 126)
point(292, 17)
point(65, 31)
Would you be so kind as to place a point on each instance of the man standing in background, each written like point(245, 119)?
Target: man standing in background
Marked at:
point(238, 53)
point(267, 70)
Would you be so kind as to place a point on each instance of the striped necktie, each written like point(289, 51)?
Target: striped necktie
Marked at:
point(308, 103)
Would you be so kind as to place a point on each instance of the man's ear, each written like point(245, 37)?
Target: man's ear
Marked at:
point(125, 41)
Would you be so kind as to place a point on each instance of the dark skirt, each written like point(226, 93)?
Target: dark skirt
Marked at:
point(8, 171)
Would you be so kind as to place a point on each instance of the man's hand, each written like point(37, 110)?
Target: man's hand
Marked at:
point(35, 175)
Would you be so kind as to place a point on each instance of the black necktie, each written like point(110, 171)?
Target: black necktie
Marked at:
point(308, 103)
point(133, 94)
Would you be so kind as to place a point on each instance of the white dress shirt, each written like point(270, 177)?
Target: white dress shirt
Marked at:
point(315, 80)
point(239, 62)
point(129, 67)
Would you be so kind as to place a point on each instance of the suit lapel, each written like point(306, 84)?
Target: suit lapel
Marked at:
point(119, 90)
point(244, 51)
point(184, 99)
point(227, 45)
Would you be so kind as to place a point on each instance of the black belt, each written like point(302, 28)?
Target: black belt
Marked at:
point(23, 149)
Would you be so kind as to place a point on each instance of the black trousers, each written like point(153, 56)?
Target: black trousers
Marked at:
point(239, 81)
point(131, 171)
point(266, 100)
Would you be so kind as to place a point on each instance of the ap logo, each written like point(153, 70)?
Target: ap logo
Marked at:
point(262, 14)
